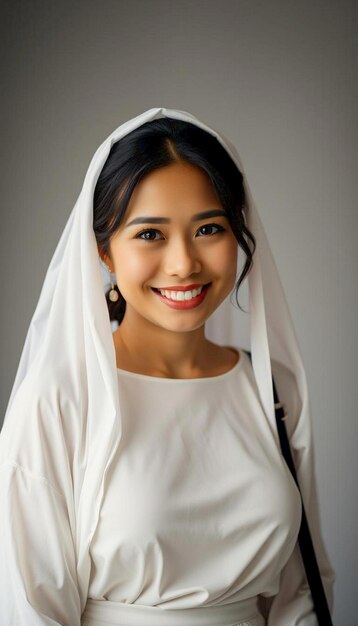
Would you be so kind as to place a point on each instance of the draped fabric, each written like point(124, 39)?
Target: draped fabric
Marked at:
point(63, 422)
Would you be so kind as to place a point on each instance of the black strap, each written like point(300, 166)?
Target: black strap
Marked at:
point(304, 535)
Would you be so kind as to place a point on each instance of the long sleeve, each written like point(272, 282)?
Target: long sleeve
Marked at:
point(293, 606)
point(38, 563)
point(37, 559)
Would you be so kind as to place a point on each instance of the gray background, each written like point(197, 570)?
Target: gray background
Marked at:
point(279, 78)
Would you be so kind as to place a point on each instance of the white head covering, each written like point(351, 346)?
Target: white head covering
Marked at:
point(70, 333)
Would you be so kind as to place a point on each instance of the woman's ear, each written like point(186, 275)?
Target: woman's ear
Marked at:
point(105, 257)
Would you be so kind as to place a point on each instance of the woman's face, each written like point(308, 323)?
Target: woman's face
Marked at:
point(168, 247)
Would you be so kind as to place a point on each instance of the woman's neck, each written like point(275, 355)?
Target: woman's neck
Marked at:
point(155, 351)
point(152, 350)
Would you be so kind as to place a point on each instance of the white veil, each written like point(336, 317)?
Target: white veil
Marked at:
point(70, 337)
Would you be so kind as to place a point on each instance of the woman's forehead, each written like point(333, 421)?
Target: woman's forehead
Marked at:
point(176, 187)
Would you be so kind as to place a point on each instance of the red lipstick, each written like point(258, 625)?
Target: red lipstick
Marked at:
point(183, 304)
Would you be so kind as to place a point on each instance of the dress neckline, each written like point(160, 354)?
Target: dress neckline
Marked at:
point(162, 379)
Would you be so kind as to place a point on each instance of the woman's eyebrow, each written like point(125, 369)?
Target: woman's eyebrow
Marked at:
point(165, 220)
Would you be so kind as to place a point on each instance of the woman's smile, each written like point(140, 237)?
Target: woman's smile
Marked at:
point(176, 246)
point(182, 298)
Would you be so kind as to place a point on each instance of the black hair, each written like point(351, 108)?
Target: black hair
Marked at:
point(153, 145)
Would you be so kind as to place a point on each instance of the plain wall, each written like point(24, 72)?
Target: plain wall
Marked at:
point(278, 78)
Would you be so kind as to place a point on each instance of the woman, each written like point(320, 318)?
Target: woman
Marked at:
point(142, 480)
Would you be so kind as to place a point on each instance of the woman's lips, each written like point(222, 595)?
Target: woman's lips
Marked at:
point(182, 288)
point(183, 304)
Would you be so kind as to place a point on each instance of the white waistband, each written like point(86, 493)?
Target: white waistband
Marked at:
point(107, 613)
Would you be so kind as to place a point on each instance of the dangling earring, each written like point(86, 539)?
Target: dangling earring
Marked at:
point(113, 294)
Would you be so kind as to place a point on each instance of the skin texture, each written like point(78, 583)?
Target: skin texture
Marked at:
point(153, 338)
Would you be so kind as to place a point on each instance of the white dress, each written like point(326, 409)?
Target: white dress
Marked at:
point(199, 509)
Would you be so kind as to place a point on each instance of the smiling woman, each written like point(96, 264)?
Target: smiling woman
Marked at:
point(184, 180)
point(156, 276)
point(151, 452)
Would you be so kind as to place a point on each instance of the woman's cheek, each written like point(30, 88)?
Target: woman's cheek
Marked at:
point(227, 261)
point(143, 267)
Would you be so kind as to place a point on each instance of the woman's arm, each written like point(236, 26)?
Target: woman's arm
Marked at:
point(293, 605)
point(38, 563)
point(37, 557)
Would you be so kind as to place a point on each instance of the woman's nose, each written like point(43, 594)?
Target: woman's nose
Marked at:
point(181, 259)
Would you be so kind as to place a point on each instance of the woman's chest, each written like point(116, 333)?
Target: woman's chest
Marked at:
point(196, 466)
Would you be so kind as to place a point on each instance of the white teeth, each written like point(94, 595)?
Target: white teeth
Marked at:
point(181, 295)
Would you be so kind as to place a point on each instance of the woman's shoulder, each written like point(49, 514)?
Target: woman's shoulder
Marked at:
point(286, 387)
point(284, 378)
point(42, 423)
point(45, 390)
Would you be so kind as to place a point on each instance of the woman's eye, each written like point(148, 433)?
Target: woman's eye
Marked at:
point(211, 229)
point(148, 235)
point(151, 234)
